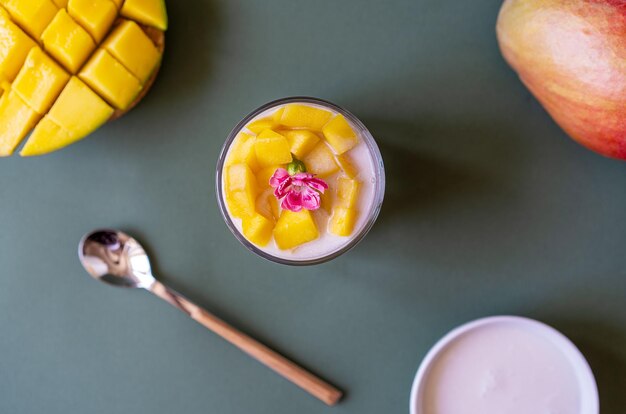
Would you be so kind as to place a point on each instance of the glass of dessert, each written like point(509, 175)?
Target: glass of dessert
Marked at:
point(300, 181)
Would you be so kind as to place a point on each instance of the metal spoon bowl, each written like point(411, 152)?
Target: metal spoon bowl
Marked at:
point(114, 257)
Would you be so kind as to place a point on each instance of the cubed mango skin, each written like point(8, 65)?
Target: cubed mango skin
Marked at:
point(294, 229)
point(95, 16)
point(271, 148)
point(242, 151)
point(348, 191)
point(109, 78)
point(342, 221)
point(129, 44)
point(16, 120)
point(257, 229)
point(32, 15)
point(321, 161)
point(149, 12)
point(301, 142)
point(40, 81)
point(67, 41)
point(304, 116)
point(340, 135)
point(47, 137)
point(14, 47)
point(79, 110)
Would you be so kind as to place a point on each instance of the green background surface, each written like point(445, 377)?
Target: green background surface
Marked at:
point(490, 209)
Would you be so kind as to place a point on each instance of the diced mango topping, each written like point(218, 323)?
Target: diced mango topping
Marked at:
point(342, 221)
point(16, 120)
point(347, 165)
point(61, 4)
point(301, 141)
point(294, 229)
point(261, 124)
point(40, 81)
point(149, 12)
point(321, 161)
point(67, 42)
point(242, 151)
point(79, 109)
point(271, 148)
point(304, 116)
point(264, 175)
point(32, 15)
point(14, 47)
point(293, 132)
point(133, 48)
point(347, 192)
point(48, 136)
point(241, 190)
point(104, 74)
point(257, 229)
point(267, 204)
point(340, 134)
point(239, 177)
point(96, 16)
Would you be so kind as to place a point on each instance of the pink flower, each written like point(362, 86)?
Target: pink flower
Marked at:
point(298, 191)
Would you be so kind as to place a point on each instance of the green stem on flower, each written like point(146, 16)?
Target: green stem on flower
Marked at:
point(295, 166)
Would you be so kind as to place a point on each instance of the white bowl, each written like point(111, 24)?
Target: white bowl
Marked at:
point(587, 390)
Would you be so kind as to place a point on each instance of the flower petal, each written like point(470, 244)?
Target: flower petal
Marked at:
point(292, 202)
point(310, 199)
point(317, 184)
point(280, 176)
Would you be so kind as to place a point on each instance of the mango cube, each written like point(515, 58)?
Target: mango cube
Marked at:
point(48, 136)
point(264, 175)
point(104, 74)
point(40, 81)
point(61, 4)
point(133, 48)
point(301, 142)
point(257, 229)
point(321, 161)
point(32, 15)
point(271, 148)
point(340, 134)
point(342, 221)
point(96, 16)
point(67, 42)
point(261, 124)
point(79, 109)
point(304, 116)
point(242, 151)
point(239, 177)
point(347, 192)
point(14, 47)
point(347, 165)
point(241, 190)
point(267, 205)
point(149, 12)
point(277, 116)
point(326, 201)
point(16, 120)
point(294, 229)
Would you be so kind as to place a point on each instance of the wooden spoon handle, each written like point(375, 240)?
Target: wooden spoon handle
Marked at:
point(281, 365)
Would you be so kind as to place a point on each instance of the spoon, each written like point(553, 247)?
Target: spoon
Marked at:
point(116, 258)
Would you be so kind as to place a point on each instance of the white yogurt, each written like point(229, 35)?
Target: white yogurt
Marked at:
point(327, 243)
point(504, 365)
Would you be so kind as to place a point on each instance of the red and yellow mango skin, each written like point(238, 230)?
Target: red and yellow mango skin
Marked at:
point(571, 54)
